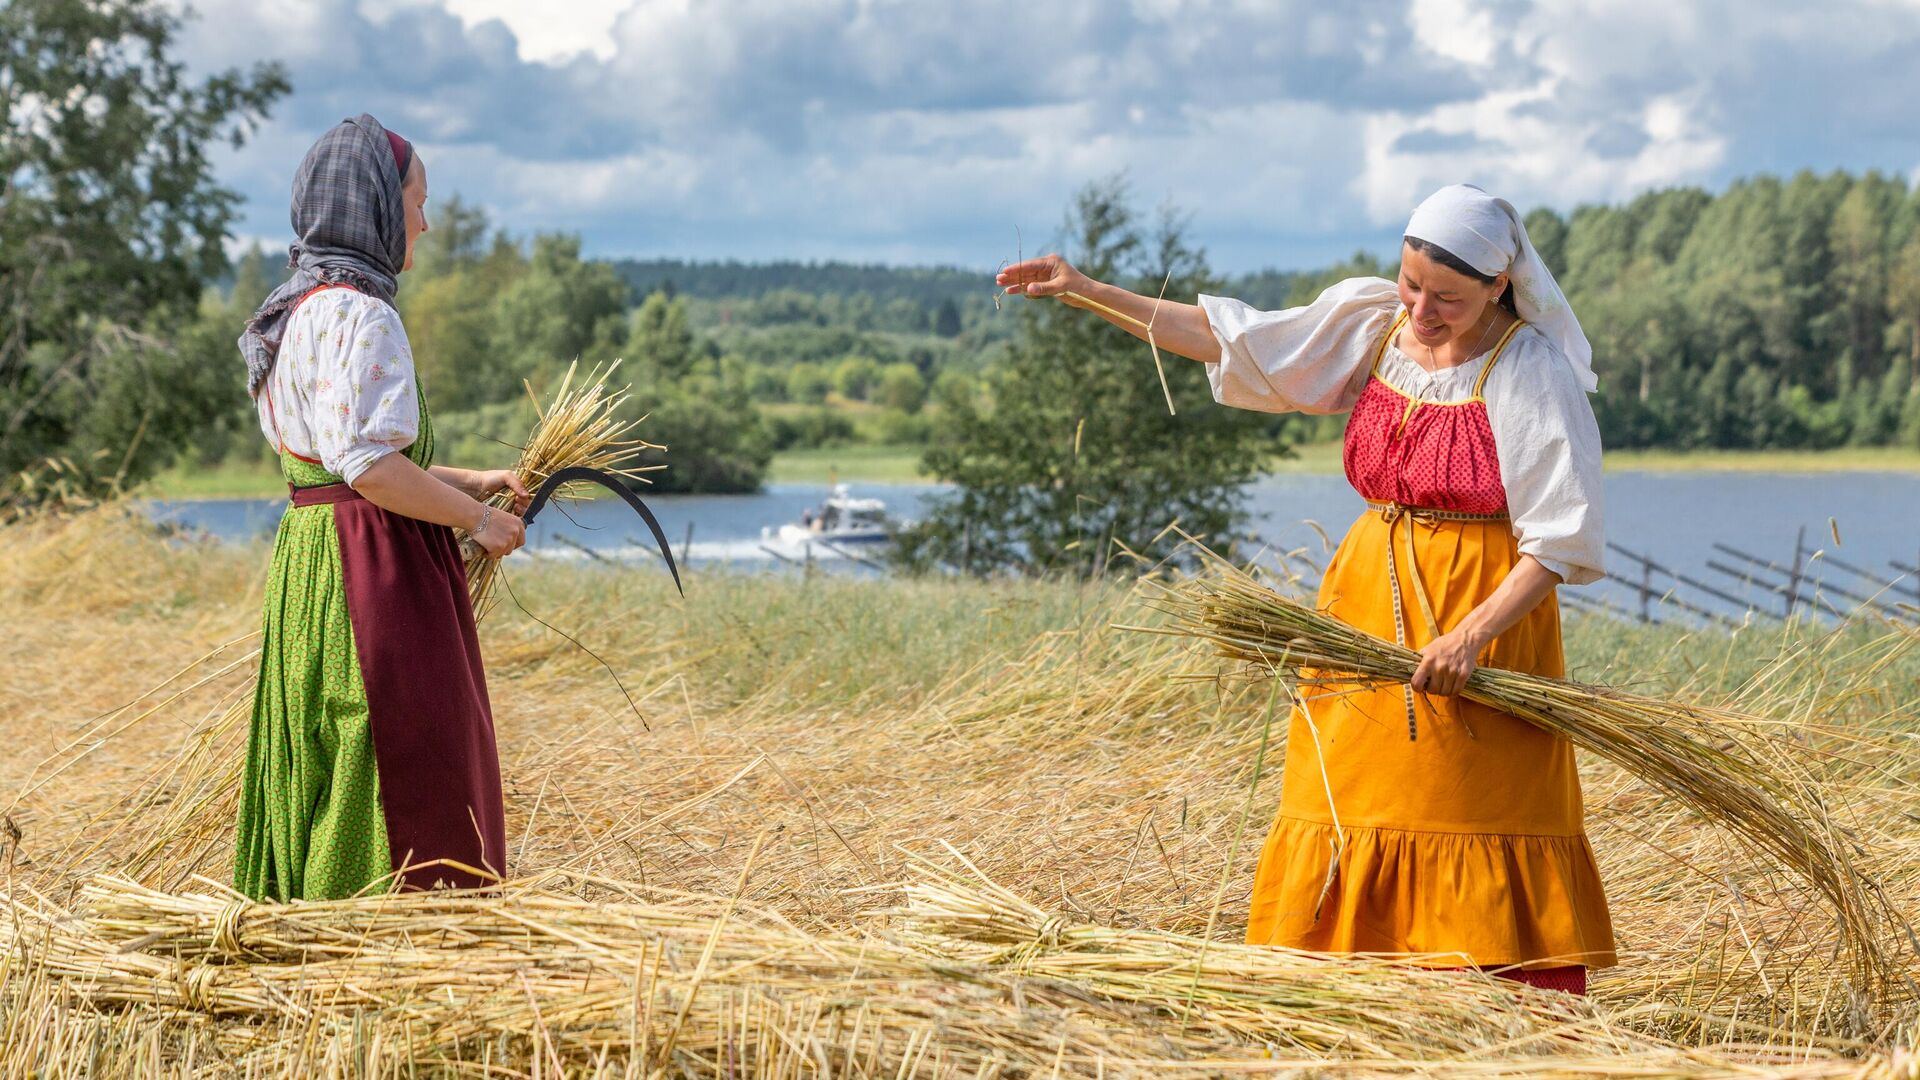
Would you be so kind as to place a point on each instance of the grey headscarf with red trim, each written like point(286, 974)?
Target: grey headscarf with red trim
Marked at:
point(351, 224)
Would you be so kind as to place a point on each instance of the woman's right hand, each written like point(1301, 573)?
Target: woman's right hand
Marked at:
point(1048, 275)
point(504, 532)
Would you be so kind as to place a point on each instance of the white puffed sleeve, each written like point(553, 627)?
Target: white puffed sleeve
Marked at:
point(1549, 450)
point(365, 406)
point(1311, 359)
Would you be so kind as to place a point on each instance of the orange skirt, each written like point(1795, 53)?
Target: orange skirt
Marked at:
point(1463, 845)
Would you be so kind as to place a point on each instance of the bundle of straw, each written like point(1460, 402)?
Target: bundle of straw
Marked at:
point(1745, 774)
point(534, 976)
point(581, 426)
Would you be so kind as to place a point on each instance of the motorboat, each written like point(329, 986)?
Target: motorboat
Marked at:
point(841, 520)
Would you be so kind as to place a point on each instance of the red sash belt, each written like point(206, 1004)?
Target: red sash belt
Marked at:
point(326, 493)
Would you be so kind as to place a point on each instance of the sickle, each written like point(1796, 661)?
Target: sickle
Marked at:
point(582, 474)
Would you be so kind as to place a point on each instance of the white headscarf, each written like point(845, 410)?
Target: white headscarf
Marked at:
point(1487, 234)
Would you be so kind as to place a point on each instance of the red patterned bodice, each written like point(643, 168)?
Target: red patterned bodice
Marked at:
point(1435, 455)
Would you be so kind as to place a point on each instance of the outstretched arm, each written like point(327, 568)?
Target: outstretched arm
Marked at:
point(1178, 328)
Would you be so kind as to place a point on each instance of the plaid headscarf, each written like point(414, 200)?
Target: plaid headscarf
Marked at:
point(352, 229)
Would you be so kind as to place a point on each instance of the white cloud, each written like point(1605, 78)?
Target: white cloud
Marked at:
point(549, 33)
point(1508, 147)
point(1458, 29)
point(1293, 130)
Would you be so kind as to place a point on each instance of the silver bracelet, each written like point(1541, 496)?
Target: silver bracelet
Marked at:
point(485, 516)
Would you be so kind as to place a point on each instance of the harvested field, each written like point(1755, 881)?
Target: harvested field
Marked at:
point(841, 828)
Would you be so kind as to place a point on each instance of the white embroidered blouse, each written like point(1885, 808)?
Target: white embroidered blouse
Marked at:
point(342, 389)
point(1317, 358)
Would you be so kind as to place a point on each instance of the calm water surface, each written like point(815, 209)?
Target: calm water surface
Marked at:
point(1673, 517)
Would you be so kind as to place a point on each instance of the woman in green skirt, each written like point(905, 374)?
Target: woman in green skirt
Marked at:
point(371, 759)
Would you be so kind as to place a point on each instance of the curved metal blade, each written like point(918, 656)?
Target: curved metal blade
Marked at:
point(582, 474)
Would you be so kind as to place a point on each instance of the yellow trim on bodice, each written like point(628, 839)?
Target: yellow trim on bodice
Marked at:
point(1479, 383)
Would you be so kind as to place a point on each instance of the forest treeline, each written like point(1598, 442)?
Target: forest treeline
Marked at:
point(1779, 313)
point(1773, 314)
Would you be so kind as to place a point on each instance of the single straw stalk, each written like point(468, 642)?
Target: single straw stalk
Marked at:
point(1742, 773)
point(1147, 327)
point(580, 426)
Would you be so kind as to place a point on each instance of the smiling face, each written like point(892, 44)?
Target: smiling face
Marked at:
point(1442, 303)
point(413, 193)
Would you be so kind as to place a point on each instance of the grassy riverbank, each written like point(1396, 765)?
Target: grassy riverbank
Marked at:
point(1846, 459)
point(850, 464)
point(790, 748)
point(901, 465)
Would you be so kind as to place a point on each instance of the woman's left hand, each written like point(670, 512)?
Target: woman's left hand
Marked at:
point(490, 482)
point(1446, 663)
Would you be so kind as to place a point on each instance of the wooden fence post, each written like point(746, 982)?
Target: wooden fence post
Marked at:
point(1793, 577)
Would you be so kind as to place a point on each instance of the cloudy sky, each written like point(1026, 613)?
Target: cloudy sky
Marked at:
point(1293, 131)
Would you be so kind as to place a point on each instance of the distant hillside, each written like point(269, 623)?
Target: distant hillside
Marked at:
point(926, 286)
point(737, 280)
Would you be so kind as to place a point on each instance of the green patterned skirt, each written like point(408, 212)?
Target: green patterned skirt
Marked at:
point(371, 758)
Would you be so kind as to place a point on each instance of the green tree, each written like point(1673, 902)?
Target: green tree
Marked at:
point(561, 309)
point(766, 383)
point(450, 328)
point(955, 391)
point(946, 319)
point(855, 376)
point(1549, 234)
point(1078, 448)
point(808, 383)
point(699, 405)
point(110, 224)
point(457, 240)
point(715, 439)
point(662, 335)
point(901, 387)
point(1857, 238)
point(1903, 300)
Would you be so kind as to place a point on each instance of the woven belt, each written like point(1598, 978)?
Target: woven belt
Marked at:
point(1392, 512)
point(1426, 516)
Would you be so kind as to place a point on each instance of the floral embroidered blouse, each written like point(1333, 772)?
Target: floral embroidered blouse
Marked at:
point(342, 390)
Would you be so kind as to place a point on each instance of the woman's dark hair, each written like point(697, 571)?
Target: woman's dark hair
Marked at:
point(1460, 266)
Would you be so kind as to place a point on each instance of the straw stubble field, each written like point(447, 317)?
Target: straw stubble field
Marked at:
point(857, 829)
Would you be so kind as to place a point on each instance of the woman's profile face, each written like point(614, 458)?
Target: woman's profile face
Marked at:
point(1442, 303)
point(413, 193)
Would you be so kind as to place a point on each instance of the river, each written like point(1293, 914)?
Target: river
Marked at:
point(1674, 518)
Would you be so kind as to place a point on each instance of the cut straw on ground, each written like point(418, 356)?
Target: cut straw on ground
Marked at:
point(935, 828)
point(967, 979)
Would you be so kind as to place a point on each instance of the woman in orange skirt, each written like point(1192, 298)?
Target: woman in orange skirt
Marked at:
point(1414, 822)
